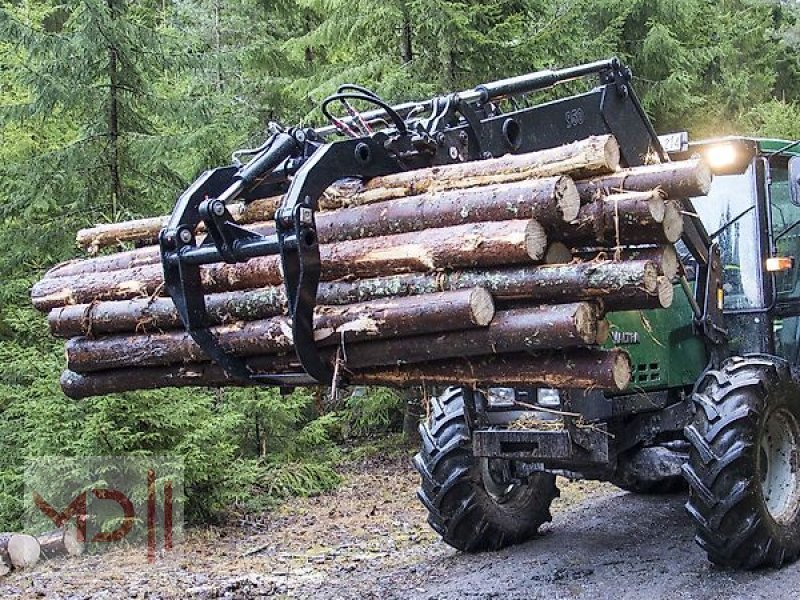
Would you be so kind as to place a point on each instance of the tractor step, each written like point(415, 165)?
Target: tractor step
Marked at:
point(576, 447)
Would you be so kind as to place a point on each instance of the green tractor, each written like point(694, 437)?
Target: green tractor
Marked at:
point(714, 400)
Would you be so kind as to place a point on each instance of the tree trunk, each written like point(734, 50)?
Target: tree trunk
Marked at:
point(587, 157)
point(544, 284)
point(551, 201)
point(61, 542)
point(472, 245)
point(444, 311)
point(683, 179)
point(115, 175)
point(579, 368)
point(18, 550)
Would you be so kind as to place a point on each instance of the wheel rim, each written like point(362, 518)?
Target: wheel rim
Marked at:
point(499, 490)
point(779, 459)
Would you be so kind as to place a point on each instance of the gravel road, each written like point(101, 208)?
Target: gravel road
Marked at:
point(368, 540)
point(617, 547)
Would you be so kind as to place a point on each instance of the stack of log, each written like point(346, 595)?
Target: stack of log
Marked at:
point(19, 550)
point(496, 271)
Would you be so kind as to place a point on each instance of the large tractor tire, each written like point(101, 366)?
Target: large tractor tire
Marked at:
point(744, 463)
point(467, 506)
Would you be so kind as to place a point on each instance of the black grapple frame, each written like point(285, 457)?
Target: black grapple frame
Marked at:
point(301, 163)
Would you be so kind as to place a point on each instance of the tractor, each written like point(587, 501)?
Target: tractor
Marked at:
point(713, 402)
point(721, 416)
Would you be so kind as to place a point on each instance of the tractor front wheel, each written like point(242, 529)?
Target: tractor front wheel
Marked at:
point(744, 463)
point(470, 502)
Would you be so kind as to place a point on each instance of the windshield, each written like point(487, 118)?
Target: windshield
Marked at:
point(729, 212)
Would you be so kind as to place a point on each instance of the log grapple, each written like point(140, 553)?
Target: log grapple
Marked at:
point(302, 163)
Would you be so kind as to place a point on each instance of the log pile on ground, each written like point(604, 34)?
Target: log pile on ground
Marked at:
point(20, 550)
point(496, 271)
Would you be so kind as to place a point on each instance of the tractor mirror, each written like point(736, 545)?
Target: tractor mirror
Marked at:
point(794, 179)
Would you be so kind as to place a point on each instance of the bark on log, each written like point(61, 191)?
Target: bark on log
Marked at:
point(628, 218)
point(641, 300)
point(582, 368)
point(584, 158)
point(592, 156)
point(444, 311)
point(146, 230)
point(60, 542)
point(152, 315)
point(472, 245)
point(683, 179)
point(665, 257)
point(19, 550)
point(551, 201)
point(534, 328)
point(545, 284)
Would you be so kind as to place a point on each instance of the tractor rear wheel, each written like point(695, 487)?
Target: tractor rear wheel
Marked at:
point(469, 503)
point(744, 463)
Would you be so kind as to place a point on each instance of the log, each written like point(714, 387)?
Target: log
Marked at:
point(151, 315)
point(642, 300)
point(61, 542)
point(146, 230)
point(682, 179)
point(533, 328)
point(584, 158)
point(545, 284)
point(628, 218)
point(18, 550)
point(665, 257)
point(551, 201)
point(579, 368)
point(443, 311)
point(472, 245)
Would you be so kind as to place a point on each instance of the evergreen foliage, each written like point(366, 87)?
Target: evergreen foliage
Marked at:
point(108, 108)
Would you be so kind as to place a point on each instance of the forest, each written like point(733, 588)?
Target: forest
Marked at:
point(109, 108)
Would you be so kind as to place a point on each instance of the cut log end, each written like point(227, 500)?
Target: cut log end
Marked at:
point(23, 550)
point(673, 223)
point(703, 177)
point(621, 370)
point(665, 292)
point(658, 207)
point(650, 277)
point(567, 198)
point(482, 306)
point(585, 319)
point(535, 240)
point(558, 254)
point(669, 262)
point(611, 153)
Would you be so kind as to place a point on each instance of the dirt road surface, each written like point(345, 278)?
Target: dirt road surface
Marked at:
point(369, 540)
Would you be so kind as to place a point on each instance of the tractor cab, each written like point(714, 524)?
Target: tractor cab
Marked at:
point(751, 212)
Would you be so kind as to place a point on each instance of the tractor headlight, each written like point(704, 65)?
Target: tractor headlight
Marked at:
point(501, 396)
point(548, 397)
